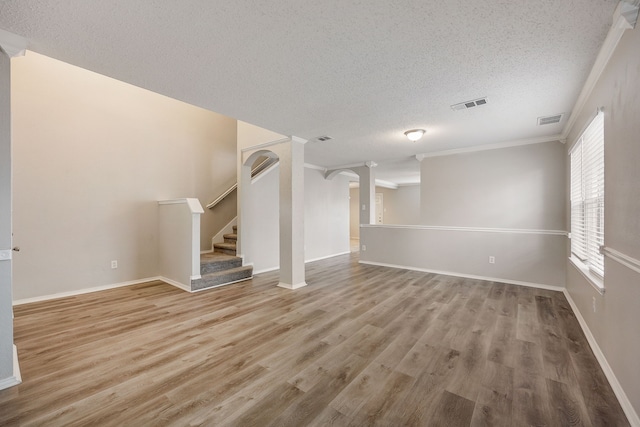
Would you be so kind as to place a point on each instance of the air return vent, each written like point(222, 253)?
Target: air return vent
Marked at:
point(324, 138)
point(549, 120)
point(469, 104)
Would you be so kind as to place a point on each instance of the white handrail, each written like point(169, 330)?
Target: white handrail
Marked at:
point(257, 170)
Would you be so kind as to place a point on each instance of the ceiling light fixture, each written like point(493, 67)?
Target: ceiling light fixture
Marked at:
point(415, 134)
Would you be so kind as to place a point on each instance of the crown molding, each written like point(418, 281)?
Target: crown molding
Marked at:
point(315, 167)
point(507, 144)
point(12, 44)
point(298, 139)
point(379, 182)
point(624, 18)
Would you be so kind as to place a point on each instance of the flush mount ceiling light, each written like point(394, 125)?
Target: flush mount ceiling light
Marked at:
point(415, 134)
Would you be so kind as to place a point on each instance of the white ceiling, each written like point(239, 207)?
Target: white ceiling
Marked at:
point(361, 71)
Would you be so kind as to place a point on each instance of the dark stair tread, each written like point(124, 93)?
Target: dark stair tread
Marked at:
point(231, 246)
point(223, 277)
point(212, 257)
point(228, 271)
point(232, 236)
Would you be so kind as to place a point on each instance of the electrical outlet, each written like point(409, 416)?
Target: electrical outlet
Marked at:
point(364, 247)
point(492, 260)
point(594, 304)
point(114, 264)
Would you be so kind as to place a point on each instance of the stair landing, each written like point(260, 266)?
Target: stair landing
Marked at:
point(222, 267)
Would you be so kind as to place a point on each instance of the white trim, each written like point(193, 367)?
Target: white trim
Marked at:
point(9, 382)
point(85, 291)
point(16, 365)
point(386, 184)
point(5, 255)
point(265, 144)
point(266, 270)
point(327, 257)
point(265, 172)
point(627, 407)
point(270, 269)
point(470, 229)
point(594, 280)
point(495, 146)
point(12, 44)
point(378, 182)
point(16, 378)
point(621, 258)
point(619, 26)
point(227, 229)
point(289, 286)
point(209, 251)
point(346, 166)
point(316, 167)
point(469, 276)
point(172, 202)
point(194, 204)
point(178, 285)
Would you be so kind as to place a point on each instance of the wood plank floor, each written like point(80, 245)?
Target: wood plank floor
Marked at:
point(361, 345)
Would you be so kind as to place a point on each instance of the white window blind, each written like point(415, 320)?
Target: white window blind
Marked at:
point(587, 196)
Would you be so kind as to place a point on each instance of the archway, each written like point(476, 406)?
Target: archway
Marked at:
point(290, 154)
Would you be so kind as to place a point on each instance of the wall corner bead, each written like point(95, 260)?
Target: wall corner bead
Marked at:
point(11, 44)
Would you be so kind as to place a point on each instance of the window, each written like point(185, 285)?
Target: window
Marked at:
point(587, 196)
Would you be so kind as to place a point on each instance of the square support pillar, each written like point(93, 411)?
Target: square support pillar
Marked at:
point(367, 192)
point(10, 45)
point(292, 269)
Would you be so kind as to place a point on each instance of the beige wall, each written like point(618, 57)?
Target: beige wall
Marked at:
point(511, 189)
point(517, 187)
point(354, 213)
point(92, 158)
point(614, 324)
point(326, 219)
point(401, 205)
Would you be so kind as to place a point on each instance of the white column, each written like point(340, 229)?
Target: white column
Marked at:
point(10, 45)
point(292, 270)
point(367, 192)
point(244, 196)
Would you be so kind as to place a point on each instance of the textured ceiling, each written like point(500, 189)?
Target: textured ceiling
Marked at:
point(360, 71)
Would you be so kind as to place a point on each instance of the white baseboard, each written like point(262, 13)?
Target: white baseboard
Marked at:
point(83, 291)
point(16, 365)
point(327, 257)
point(288, 286)
point(269, 269)
point(178, 285)
point(16, 378)
point(469, 276)
point(627, 407)
point(266, 270)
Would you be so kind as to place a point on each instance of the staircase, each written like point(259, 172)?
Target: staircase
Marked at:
point(222, 266)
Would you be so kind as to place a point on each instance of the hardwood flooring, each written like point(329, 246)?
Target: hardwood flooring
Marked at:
point(361, 345)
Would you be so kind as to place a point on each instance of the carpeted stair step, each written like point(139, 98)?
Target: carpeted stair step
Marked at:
point(223, 277)
point(216, 261)
point(235, 229)
point(225, 248)
point(230, 238)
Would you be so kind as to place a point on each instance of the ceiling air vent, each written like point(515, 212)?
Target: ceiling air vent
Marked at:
point(324, 138)
point(469, 104)
point(549, 119)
